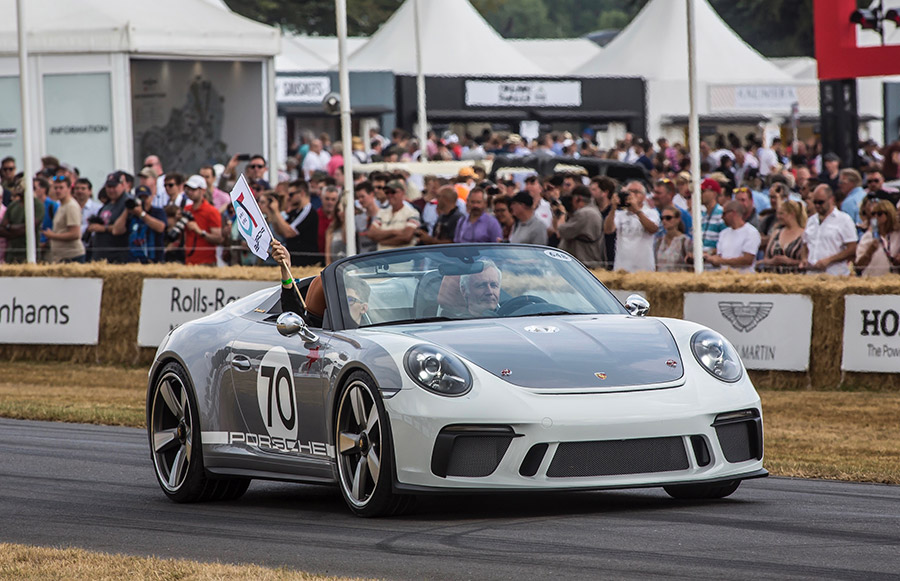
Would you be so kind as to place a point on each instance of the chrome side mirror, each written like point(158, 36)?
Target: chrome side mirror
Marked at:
point(637, 305)
point(293, 324)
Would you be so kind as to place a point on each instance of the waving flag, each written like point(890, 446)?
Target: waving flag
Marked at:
point(251, 222)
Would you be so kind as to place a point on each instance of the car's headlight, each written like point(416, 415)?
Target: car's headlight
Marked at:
point(716, 355)
point(437, 371)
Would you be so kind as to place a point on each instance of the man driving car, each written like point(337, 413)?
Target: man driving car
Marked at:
point(481, 290)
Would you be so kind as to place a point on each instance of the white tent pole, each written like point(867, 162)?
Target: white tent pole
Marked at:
point(694, 138)
point(420, 86)
point(346, 132)
point(27, 182)
point(271, 127)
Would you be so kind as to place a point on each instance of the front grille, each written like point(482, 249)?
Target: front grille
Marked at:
point(613, 457)
point(476, 456)
point(737, 441)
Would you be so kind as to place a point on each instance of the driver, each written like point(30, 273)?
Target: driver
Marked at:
point(481, 291)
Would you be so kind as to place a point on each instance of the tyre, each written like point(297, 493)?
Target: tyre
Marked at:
point(702, 491)
point(173, 427)
point(365, 452)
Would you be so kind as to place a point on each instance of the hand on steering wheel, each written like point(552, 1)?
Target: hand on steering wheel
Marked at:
point(514, 304)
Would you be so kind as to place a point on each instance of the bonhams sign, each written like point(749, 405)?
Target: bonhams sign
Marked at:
point(50, 311)
point(167, 302)
point(871, 333)
point(769, 331)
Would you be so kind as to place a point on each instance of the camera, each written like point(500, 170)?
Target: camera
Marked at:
point(94, 219)
point(243, 157)
point(624, 199)
point(130, 203)
point(177, 230)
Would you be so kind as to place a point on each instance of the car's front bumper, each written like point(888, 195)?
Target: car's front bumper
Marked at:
point(586, 441)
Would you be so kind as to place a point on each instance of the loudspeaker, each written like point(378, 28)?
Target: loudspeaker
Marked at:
point(840, 120)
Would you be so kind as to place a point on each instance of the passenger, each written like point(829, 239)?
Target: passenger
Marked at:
point(481, 291)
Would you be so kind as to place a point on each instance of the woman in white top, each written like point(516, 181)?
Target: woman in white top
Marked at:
point(879, 249)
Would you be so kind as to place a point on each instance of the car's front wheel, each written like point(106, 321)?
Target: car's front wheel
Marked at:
point(174, 428)
point(702, 491)
point(365, 452)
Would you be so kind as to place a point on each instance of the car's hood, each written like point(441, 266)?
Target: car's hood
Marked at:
point(563, 352)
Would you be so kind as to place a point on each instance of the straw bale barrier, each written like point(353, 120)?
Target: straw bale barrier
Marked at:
point(120, 306)
point(120, 311)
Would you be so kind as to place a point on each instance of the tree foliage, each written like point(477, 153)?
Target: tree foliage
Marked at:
point(773, 27)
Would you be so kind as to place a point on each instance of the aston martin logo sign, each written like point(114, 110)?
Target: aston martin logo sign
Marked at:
point(769, 331)
point(744, 318)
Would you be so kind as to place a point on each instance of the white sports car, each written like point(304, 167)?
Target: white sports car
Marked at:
point(478, 367)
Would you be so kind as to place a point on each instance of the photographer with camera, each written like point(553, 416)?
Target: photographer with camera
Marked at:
point(581, 234)
point(203, 227)
point(298, 225)
point(634, 223)
point(146, 227)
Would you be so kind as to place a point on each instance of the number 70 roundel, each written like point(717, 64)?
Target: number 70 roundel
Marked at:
point(275, 392)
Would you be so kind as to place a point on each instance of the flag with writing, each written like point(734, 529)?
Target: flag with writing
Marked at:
point(251, 222)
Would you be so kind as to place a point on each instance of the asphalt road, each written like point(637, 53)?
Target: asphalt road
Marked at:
point(93, 487)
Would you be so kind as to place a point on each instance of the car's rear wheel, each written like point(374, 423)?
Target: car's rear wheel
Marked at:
point(173, 426)
point(702, 491)
point(365, 453)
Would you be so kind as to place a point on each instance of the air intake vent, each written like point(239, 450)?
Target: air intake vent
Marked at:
point(470, 451)
point(740, 435)
point(613, 457)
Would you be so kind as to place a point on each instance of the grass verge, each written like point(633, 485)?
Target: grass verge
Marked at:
point(841, 435)
point(27, 562)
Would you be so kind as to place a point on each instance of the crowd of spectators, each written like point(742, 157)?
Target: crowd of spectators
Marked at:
point(764, 206)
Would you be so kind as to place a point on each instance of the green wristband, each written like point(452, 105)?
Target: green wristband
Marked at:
point(287, 282)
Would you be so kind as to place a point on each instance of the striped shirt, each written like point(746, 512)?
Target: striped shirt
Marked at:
point(711, 225)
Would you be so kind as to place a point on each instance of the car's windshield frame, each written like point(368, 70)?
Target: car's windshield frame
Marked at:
point(417, 289)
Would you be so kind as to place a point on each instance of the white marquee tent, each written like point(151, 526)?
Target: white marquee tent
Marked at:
point(654, 46)
point(82, 59)
point(163, 27)
point(456, 41)
point(561, 55)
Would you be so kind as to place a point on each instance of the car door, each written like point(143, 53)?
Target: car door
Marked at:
point(281, 390)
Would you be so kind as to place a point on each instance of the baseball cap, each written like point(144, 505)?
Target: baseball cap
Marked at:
point(523, 198)
point(711, 184)
point(114, 179)
point(148, 172)
point(141, 191)
point(395, 185)
point(467, 172)
point(195, 182)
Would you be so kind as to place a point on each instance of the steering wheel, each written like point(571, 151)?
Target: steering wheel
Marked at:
point(514, 304)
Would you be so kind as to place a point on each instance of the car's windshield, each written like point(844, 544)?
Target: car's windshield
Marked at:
point(468, 282)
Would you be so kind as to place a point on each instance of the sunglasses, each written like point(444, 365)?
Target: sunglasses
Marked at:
point(170, 184)
point(880, 213)
point(59, 178)
point(353, 301)
point(667, 218)
point(9, 168)
point(255, 166)
point(663, 181)
point(819, 202)
point(873, 181)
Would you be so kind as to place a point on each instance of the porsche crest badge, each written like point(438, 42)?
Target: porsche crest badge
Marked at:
point(600, 375)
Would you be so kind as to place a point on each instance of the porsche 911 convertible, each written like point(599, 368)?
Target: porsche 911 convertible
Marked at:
point(467, 367)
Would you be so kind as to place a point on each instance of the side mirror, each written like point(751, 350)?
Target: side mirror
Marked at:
point(637, 305)
point(289, 324)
